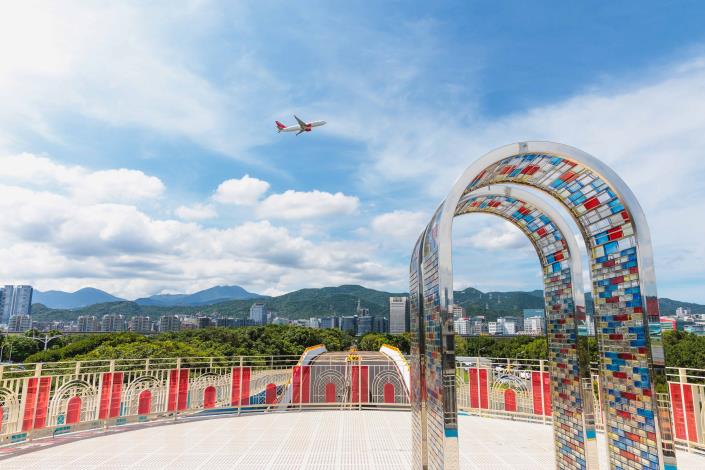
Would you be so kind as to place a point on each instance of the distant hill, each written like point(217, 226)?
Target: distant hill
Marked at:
point(70, 300)
point(326, 301)
point(213, 295)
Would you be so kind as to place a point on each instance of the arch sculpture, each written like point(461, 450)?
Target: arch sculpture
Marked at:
point(616, 235)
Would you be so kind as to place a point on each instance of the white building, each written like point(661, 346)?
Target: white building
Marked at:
point(16, 300)
point(169, 323)
point(458, 311)
point(140, 324)
point(20, 323)
point(258, 313)
point(113, 322)
point(682, 312)
point(478, 325)
point(87, 323)
point(492, 327)
point(462, 326)
point(398, 315)
point(534, 325)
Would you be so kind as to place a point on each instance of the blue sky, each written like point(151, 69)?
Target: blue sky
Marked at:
point(139, 152)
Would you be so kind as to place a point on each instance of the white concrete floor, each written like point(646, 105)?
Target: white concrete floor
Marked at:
point(308, 440)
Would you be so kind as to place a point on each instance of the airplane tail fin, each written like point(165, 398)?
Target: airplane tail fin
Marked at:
point(280, 126)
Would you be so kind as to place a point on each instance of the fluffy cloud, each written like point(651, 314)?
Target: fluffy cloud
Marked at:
point(58, 239)
point(496, 237)
point(649, 132)
point(130, 72)
point(297, 205)
point(244, 191)
point(196, 212)
point(115, 185)
point(400, 227)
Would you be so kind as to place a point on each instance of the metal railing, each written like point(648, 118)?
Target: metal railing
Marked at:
point(519, 389)
point(53, 398)
point(46, 399)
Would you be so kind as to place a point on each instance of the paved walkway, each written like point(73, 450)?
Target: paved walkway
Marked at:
point(308, 440)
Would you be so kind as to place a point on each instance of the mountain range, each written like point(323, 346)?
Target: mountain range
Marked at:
point(90, 296)
point(316, 302)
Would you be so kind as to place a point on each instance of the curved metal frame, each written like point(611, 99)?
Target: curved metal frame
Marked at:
point(552, 238)
point(617, 236)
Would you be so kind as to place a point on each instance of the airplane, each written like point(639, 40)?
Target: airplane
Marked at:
point(301, 127)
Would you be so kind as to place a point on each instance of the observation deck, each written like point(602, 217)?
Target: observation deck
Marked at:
point(319, 410)
point(331, 439)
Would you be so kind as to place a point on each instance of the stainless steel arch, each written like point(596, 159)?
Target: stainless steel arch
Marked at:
point(553, 239)
point(617, 236)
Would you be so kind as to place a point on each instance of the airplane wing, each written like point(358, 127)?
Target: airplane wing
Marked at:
point(299, 132)
point(302, 124)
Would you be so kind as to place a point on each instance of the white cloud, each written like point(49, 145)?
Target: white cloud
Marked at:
point(650, 133)
point(57, 239)
point(115, 185)
point(196, 212)
point(297, 205)
point(500, 236)
point(400, 227)
point(244, 191)
point(129, 72)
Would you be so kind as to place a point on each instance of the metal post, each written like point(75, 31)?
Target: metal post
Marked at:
point(239, 398)
point(359, 383)
point(683, 379)
point(178, 386)
point(543, 400)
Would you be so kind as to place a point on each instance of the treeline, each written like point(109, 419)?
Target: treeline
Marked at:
point(248, 341)
point(682, 349)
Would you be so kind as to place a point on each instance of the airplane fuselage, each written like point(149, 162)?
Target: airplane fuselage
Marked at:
point(300, 127)
point(305, 128)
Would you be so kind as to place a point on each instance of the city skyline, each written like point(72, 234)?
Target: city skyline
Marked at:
point(157, 168)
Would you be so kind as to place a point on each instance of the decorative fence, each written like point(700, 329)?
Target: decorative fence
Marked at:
point(44, 399)
point(520, 389)
point(39, 400)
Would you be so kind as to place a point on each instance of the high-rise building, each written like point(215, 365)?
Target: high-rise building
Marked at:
point(492, 328)
point(113, 322)
point(533, 312)
point(380, 324)
point(361, 312)
point(508, 326)
point(141, 324)
point(349, 324)
point(224, 322)
point(478, 326)
point(329, 322)
point(314, 322)
point(462, 326)
point(205, 322)
point(16, 300)
point(398, 315)
point(458, 311)
point(87, 323)
point(534, 325)
point(258, 313)
point(19, 323)
point(682, 312)
point(169, 323)
point(365, 324)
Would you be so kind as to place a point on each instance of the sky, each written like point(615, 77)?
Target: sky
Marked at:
point(138, 152)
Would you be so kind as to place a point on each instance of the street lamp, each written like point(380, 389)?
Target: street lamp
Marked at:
point(46, 339)
point(2, 350)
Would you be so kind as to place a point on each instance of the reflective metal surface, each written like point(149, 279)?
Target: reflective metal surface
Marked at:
point(617, 236)
point(574, 428)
